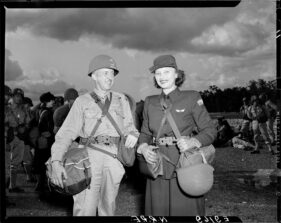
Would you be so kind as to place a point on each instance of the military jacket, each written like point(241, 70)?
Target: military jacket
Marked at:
point(257, 112)
point(84, 115)
point(17, 116)
point(271, 109)
point(244, 112)
point(189, 113)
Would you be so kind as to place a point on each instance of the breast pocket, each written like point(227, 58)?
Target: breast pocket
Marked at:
point(91, 116)
point(182, 117)
point(117, 113)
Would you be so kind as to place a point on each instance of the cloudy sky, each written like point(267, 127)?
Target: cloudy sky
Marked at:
point(50, 49)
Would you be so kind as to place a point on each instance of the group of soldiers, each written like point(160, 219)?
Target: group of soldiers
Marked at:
point(258, 121)
point(29, 133)
point(257, 127)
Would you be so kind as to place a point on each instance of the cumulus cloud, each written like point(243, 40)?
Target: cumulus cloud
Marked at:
point(227, 45)
point(142, 29)
point(228, 72)
point(225, 31)
point(13, 71)
point(229, 38)
point(249, 31)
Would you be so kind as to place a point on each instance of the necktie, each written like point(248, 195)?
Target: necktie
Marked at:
point(165, 102)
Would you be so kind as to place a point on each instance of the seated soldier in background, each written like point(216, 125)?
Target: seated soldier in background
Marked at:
point(239, 143)
point(225, 132)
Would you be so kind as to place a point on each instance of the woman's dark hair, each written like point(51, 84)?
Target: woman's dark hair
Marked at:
point(179, 80)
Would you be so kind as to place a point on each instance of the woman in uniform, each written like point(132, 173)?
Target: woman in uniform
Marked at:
point(163, 195)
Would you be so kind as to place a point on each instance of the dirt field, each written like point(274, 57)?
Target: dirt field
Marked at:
point(245, 186)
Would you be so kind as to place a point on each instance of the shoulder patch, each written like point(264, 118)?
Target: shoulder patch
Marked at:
point(200, 102)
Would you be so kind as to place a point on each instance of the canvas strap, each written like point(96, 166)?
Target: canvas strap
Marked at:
point(107, 114)
point(104, 107)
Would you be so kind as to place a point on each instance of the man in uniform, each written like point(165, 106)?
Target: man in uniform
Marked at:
point(271, 111)
point(61, 112)
point(17, 118)
point(29, 146)
point(245, 128)
point(8, 136)
point(107, 171)
point(257, 113)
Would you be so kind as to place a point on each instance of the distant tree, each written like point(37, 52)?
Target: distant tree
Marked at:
point(230, 99)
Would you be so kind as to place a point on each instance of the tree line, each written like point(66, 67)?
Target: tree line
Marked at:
point(230, 99)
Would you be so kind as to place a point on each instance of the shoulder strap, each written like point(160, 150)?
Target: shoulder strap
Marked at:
point(170, 118)
point(41, 114)
point(161, 126)
point(107, 114)
point(104, 108)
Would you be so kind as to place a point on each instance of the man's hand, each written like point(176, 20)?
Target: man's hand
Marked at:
point(58, 173)
point(188, 143)
point(131, 141)
point(148, 153)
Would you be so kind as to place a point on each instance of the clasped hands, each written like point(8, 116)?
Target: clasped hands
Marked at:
point(185, 143)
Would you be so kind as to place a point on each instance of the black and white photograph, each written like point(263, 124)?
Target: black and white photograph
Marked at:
point(153, 113)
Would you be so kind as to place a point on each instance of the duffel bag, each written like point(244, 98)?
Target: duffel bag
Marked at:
point(78, 169)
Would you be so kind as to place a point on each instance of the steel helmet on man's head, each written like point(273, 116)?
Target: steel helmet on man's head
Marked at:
point(70, 94)
point(102, 61)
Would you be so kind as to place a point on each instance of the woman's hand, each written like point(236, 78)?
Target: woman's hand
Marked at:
point(148, 153)
point(131, 141)
point(58, 173)
point(188, 143)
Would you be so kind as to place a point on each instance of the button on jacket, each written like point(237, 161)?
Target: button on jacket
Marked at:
point(83, 116)
point(189, 114)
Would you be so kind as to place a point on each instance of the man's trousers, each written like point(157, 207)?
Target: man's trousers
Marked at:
point(107, 173)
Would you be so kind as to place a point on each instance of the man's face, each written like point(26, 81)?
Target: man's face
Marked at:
point(17, 99)
point(166, 77)
point(104, 78)
point(50, 104)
